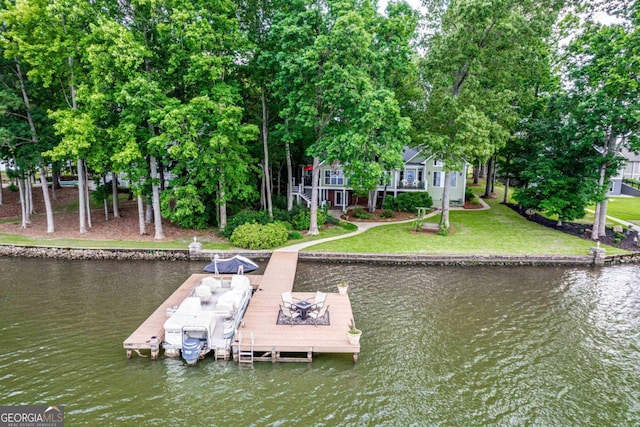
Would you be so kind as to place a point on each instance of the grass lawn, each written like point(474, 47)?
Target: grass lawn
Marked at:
point(14, 239)
point(498, 230)
point(625, 208)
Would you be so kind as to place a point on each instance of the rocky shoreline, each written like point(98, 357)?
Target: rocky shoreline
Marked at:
point(597, 257)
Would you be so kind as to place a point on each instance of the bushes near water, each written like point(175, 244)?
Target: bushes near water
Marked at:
point(260, 236)
point(247, 229)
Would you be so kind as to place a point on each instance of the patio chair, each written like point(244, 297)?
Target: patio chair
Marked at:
point(315, 314)
point(288, 312)
point(287, 300)
point(319, 300)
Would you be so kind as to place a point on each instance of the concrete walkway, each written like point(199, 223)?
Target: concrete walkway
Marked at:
point(628, 224)
point(364, 226)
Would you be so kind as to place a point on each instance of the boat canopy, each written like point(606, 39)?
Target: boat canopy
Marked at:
point(234, 265)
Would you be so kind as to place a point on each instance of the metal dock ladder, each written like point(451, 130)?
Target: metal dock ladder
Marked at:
point(245, 356)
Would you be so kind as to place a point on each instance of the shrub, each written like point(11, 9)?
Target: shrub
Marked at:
point(245, 217)
point(259, 236)
point(387, 213)
point(12, 187)
point(295, 235)
point(408, 202)
point(469, 195)
point(360, 213)
point(303, 219)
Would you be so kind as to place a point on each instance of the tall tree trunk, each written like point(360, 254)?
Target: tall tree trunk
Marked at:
point(29, 195)
point(82, 206)
point(105, 202)
point(596, 222)
point(489, 183)
point(1, 193)
point(315, 181)
point(287, 149)
point(86, 194)
point(114, 193)
point(47, 201)
point(265, 145)
point(23, 204)
point(157, 219)
point(148, 212)
point(476, 173)
point(222, 203)
point(446, 190)
point(141, 222)
point(602, 223)
point(373, 198)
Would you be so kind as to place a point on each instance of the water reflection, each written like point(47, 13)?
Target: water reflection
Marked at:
point(441, 346)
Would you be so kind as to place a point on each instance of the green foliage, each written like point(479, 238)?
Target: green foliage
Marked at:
point(361, 213)
point(302, 220)
point(617, 237)
point(12, 187)
point(387, 213)
point(245, 217)
point(418, 223)
point(444, 231)
point(408, 202)
point(184, 206)
point(295, 235)
point(469, 195)
point(258, 236)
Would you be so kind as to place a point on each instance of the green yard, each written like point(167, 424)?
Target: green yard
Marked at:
point(499, 230)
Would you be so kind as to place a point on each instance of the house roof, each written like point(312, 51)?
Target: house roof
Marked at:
point(409, 153)
point(629, 155)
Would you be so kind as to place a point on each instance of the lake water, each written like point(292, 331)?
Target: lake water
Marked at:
point(441, 346)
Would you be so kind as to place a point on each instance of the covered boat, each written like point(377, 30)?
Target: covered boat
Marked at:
point(234, 265)
point(207, 319)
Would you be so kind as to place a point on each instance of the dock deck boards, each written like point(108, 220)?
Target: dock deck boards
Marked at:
point(262, 314)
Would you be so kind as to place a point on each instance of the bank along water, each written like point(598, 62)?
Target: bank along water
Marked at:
point(441, 346)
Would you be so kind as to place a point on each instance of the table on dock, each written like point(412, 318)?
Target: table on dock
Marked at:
point(272, 340)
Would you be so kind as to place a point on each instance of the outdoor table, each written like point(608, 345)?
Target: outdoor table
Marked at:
point(304, 307)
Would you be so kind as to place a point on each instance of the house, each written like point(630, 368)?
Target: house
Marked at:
point(630, 170)
point(632, 165)
point(421, 172)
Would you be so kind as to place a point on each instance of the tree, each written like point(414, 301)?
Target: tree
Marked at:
point(327, 85)
point(471, 66)
point(561, 172)
point(48, 37)
point(603, 69)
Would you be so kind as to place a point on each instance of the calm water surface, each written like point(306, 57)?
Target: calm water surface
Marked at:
point(441, 347)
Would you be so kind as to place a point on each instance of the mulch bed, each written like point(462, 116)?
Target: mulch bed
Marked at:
point(581, 230)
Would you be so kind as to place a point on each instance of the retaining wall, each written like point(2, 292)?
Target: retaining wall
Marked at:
point(336, 257)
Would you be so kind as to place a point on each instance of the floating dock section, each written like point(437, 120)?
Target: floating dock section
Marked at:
point(260, 338)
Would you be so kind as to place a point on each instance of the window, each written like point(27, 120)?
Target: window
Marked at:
point(411, 175)
point(333, 177)
point(454, 179)
point(437, 179)
point(437, 163)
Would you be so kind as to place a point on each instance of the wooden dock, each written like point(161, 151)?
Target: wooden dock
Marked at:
point(271, 342)
point(150, 333)
point(286, 343)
